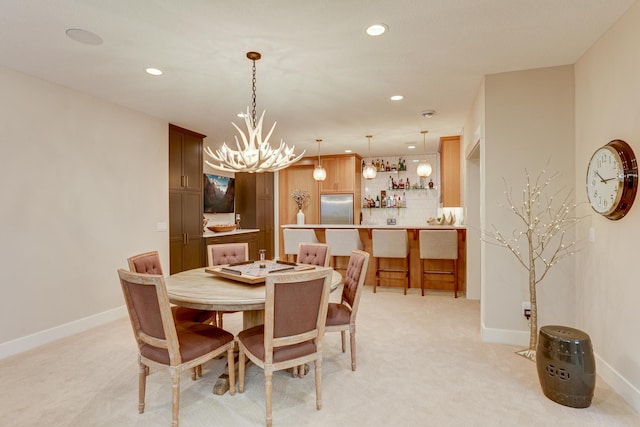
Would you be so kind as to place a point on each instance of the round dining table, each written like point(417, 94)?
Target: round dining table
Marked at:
point(202, 290)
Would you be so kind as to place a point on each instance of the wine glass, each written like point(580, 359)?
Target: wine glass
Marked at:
point(238, 221)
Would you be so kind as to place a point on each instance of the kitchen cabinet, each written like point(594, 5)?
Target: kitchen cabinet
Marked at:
point(255, 204)
point(342, 176)
point(450, 170)
point(185, 199)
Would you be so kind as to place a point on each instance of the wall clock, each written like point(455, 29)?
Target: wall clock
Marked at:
point(612, 179)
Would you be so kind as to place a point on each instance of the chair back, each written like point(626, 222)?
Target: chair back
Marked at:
point(293, 238)
point(227, 253)
point(150, 314)
point(343, 241)
point(438, 244)
point(354, 280)
point(390, 243)
point(295, 313)
point(147, 263)
point(314, 254)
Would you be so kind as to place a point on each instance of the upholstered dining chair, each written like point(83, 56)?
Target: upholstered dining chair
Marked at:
point(314, 254)
point(164, 346)
point(226, 253)
point(149, 263)
point(342, 316)
point(294, 321)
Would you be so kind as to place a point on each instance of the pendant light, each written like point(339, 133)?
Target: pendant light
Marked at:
point(319, 173)
point(253, 154)
point(369, 171)
point(424, 168)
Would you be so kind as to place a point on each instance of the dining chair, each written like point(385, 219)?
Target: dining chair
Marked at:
point(342, 316)
point(314, 254)
point(164, 346)
point(294, 321)
point(226, 253)
point(149, 263)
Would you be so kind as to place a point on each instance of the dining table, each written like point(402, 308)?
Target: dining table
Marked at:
point(200, 289)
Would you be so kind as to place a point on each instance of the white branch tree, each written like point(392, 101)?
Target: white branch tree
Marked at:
point(540, 242)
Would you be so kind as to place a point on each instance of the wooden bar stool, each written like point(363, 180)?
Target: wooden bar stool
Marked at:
point(391, 244)
point(439, 244)
point(343, 242)
point(294, 236)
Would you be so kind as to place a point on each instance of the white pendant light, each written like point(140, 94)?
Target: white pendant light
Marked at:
point(319, 173)
point(369, 171)
point(254, 154)
point(424, 168)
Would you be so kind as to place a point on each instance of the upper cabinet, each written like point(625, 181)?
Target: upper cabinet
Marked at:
point(343, 175)
point(185, 159)
point(450, 170)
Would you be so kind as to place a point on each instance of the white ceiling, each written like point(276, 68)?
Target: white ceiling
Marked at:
point(320, 75)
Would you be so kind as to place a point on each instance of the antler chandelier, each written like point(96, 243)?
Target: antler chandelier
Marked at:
point(254, 154)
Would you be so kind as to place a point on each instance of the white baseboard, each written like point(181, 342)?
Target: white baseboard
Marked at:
point(9, 348)
point(605, 371)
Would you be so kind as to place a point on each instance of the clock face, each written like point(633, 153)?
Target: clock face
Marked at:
point(612, 179)
point(604, 180)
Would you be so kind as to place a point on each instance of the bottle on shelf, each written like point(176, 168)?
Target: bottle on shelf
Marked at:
point(390, 184)
point(407, 185)
point(401, 184)
point(404, 200)
point(377, 201)
point(431, 183)
point(377, 165)
point(387, 168)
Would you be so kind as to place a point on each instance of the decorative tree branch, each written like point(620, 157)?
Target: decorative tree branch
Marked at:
point(545, 222)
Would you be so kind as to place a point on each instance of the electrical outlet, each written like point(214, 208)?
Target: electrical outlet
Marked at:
point(526, 309)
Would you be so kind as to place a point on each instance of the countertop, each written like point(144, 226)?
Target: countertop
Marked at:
point(230, 233)
point(376, 226)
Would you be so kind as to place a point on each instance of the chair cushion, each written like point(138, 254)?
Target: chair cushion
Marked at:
point(227, 254)
point(148, 264)
point(338, 314)
point(253, 340)
point(195, 340)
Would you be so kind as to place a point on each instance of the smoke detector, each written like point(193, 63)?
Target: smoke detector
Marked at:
point(428, 113)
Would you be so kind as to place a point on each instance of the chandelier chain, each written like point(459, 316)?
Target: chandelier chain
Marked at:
point(253, 94)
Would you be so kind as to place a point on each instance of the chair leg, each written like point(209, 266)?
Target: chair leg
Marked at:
point(455, 278)
point(406, 275)
point(194, 373)
point(241, 371)
point(376, 261)
point(343, 336)
point(352, 336)
point(232, 370)
point(318, 365)
point(175, 396)
point(267, 394)
point(294, 371)
point(142, 385)
point(422, 276)
point(219, 322)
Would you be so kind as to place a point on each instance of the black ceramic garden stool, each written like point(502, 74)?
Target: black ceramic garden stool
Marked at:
point(566, 367)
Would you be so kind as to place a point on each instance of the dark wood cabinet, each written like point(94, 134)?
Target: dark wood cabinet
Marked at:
point(255, 204)
point(185, 199)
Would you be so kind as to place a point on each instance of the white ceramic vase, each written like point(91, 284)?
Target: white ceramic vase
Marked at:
point(300, 217)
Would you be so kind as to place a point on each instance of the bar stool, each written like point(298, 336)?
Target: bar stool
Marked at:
point(439, 244)
point(294, 236)
point(343, 242)
point(391, 244)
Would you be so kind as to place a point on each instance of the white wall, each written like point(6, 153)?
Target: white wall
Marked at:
point(529, 121)
point(84, 183)
point(607, 270)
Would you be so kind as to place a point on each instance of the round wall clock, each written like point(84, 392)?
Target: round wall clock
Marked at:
point(612, 179)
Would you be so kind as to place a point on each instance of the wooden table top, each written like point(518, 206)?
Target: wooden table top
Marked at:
point(199, 289)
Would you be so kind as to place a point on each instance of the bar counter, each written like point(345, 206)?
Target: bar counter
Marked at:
point(431, 282)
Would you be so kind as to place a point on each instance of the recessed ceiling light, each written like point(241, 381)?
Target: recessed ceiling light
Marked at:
point(154, 71)
point(83, 36)
point(347, 151)
point(397, 97)
point(242, 115)
point(411, 147)
point(377, 29)
point(428, 113)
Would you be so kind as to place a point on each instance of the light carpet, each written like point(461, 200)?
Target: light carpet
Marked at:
point(421, 362)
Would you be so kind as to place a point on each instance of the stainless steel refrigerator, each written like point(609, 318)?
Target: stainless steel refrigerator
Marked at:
point(336, 209)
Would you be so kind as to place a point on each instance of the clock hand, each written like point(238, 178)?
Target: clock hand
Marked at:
point(601, 178)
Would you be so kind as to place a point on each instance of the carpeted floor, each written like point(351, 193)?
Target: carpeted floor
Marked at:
point(420, 363)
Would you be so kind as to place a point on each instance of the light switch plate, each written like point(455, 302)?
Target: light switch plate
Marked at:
point(391, 221)
point(161, 226)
